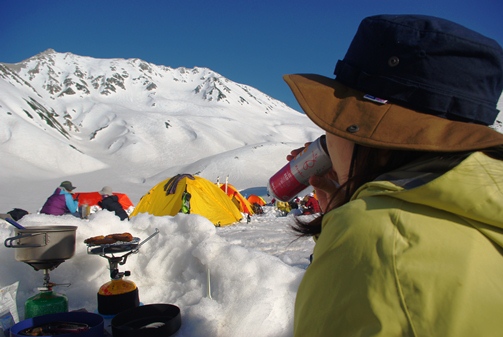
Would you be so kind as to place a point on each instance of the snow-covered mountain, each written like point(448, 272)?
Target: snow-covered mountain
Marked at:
point(130, 124)
point(64, 116)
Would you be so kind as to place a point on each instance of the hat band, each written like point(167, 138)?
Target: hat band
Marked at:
point(415, 96)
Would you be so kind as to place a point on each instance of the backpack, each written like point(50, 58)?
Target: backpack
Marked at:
point(17, 213)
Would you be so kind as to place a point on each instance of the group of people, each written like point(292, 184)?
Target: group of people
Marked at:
point(307, 205)
point(65, 201)
point(298, 206)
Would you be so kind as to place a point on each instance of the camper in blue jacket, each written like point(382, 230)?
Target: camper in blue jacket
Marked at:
point(61, 201)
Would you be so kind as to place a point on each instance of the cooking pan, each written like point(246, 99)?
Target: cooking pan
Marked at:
point(43, 247)
point(152, 320)
point(76, 323)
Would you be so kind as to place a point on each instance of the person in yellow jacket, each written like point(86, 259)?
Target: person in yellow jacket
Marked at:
point(411, 239)
point(283, 207)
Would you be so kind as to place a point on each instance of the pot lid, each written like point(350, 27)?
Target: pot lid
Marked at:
point(152, 320)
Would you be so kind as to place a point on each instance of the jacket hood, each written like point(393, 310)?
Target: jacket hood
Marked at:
point(470, 187)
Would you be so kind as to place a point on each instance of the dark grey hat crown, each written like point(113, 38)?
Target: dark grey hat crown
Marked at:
point(428, 64)
point(67, 185)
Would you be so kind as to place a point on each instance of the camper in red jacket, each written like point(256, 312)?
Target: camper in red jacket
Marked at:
point(311, 205)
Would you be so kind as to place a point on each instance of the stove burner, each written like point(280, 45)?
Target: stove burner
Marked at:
point(109, 250)
point(48, 285)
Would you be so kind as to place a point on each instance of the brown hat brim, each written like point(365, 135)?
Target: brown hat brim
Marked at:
point(345, 112)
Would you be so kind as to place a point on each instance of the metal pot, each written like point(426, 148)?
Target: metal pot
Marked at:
point(43, 247)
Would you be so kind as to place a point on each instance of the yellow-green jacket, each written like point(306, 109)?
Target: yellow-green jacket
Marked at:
point(421, 261)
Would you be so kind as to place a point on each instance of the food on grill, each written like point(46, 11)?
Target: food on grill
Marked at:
point(109, 239)
point(124, 237)
point(94, 239)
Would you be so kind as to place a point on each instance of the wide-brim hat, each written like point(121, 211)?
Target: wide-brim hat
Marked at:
point(409, 82)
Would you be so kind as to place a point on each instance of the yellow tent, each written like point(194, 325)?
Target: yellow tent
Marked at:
point(207, 200)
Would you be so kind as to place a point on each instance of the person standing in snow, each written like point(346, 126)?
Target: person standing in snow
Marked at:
point(110, 202)
point(61, 201)
point(411, 239)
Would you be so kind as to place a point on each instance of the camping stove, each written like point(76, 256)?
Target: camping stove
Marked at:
point(118, 294)
point(46, 301)
point(44, 248)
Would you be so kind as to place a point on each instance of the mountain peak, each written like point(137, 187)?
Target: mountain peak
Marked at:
point(48, 52)
point(66, 74)
point(113, 112)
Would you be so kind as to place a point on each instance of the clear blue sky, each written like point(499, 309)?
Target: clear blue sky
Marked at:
point(252, 42)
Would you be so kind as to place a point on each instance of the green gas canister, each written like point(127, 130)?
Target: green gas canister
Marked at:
point(45, 302)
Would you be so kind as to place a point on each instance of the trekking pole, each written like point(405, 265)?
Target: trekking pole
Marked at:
point(208, 283)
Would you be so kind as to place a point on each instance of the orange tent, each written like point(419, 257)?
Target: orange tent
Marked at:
point(92, 199)
point(244, 205)
point(255, 199)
